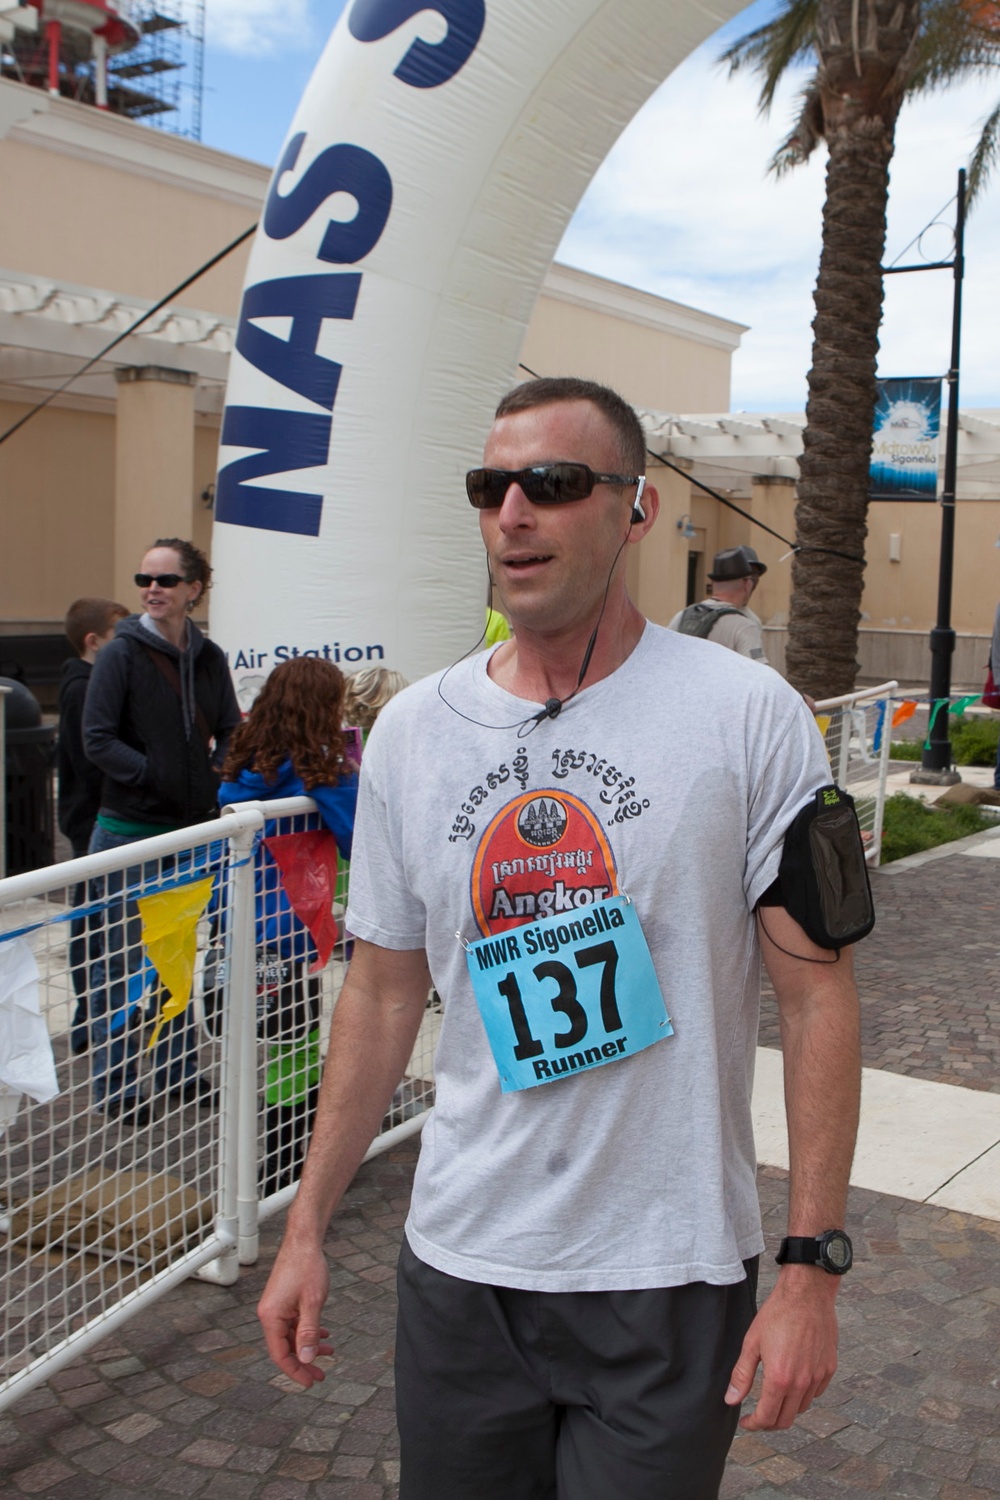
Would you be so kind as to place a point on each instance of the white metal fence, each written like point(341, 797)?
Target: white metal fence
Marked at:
point(127, 1166)
point(857, 730)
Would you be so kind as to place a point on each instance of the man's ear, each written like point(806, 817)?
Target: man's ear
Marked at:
point(650, 503)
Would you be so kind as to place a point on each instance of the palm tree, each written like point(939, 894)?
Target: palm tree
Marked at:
point(868, 55)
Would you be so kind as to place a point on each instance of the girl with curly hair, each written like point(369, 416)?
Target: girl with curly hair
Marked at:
point(291, 745)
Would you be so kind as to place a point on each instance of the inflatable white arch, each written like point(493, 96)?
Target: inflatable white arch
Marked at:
point(436, 157)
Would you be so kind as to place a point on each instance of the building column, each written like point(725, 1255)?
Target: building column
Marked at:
point(154, 465)
point(773, 503)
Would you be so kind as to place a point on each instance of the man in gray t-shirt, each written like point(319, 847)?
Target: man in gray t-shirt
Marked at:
point(727, 617)
point(570, 837)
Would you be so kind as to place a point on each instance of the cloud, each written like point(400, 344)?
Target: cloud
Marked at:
point(683, 207)
point(252, 27)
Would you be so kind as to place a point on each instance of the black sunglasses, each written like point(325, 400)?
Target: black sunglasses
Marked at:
point(165, 580)
point(544, 484)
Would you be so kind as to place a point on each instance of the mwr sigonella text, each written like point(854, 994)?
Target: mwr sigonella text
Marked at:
point(529, 940)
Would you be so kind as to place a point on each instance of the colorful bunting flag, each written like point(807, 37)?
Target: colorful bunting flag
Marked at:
point(905, 711)
point(939, 704)
point(879, 725)
point(307, 863)
point(169, 933)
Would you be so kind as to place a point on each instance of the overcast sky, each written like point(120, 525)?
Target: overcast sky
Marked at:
point(684, 206)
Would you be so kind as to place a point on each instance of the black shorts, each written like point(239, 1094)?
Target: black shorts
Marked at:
point(513, 1395)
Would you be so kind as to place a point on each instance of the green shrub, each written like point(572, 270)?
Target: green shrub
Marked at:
point(973, 742)
point(911, 826)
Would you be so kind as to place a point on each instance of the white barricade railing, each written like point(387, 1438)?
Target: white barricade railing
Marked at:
point(107, 1200)
point(102, 1210)
point(857, 730)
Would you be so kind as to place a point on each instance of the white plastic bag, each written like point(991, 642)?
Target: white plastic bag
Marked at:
point(26, 1062)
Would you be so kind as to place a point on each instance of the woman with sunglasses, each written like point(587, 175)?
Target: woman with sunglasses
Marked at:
point(159, 712)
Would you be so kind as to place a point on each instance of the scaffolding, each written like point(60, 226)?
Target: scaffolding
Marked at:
point(159, 80)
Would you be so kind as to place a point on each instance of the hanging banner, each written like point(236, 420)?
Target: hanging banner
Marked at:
point(308, 866)
point(170, 937)
point(905, 440)
point(432, 166)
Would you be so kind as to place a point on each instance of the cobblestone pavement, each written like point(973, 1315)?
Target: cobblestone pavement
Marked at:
point(927, 975)
point(182, 1400)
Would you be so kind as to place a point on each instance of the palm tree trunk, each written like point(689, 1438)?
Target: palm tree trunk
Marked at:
point(865, 50)
point(833, 485)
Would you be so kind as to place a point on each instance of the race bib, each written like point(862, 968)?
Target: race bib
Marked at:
point(560, 997)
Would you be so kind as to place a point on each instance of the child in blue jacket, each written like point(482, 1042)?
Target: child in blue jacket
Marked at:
point(291, 745)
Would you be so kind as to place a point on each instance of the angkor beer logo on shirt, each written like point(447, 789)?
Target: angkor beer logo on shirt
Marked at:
point(544, 854)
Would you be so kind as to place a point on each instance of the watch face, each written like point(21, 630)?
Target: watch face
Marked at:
point(837, 1251)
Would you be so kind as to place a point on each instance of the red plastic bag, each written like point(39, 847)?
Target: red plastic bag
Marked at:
point(991, 693)
point(308, 866)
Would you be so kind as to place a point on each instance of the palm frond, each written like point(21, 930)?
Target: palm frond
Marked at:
point(803, 140)
point(985, 157)
point(771, 49)
point(952, 45)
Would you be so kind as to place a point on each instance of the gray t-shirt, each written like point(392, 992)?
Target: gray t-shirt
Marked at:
point(741, 632)
point(673, 781)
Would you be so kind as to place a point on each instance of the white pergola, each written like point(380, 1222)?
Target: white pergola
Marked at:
point(48, 327)
point(727, 450)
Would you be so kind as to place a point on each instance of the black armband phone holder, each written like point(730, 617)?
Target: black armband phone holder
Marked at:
point(823, 877)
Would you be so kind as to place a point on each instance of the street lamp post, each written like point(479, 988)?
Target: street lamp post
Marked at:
point(935, 767)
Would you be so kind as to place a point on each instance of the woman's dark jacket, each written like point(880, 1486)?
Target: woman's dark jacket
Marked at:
point(149, 739)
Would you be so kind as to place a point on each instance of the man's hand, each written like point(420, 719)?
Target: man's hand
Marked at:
point(794, 1336)
point(290, 1312)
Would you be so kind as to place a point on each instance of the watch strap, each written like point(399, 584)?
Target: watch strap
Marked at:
point(831, 1251)
point(799, 1250)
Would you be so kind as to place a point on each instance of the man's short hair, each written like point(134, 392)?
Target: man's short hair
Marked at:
point(91, 615)
point(546, 390)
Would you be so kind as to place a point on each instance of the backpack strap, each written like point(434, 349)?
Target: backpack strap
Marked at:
point(168, 670)
point(700, 619)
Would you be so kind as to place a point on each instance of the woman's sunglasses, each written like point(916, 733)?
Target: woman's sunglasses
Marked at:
point(544, 484)
point(165, 580)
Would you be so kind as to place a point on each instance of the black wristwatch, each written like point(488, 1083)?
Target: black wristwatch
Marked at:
point(832, 1251)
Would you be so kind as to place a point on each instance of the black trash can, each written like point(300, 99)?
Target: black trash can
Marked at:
point(31, 755)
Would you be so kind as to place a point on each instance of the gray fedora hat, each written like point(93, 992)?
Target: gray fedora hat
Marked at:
point(736, 562)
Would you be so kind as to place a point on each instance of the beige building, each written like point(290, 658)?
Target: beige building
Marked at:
point(103, 218)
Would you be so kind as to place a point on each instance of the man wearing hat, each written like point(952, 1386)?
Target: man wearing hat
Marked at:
point(727, 616)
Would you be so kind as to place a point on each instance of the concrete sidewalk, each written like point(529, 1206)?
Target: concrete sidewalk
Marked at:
point(183, 1400)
